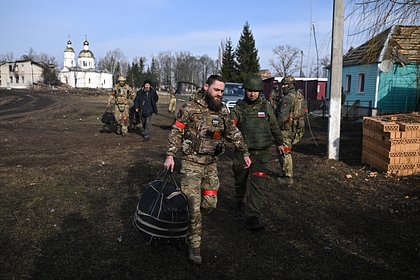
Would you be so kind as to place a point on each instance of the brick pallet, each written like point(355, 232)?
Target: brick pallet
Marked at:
point(391, 143)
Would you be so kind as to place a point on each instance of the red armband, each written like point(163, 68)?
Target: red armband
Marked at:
point(209, 192)
point(179, 124)
point(259, 174)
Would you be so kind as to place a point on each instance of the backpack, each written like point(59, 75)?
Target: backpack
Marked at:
point(299, 106)
point(161, 214)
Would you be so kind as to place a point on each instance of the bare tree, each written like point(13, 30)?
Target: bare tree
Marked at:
point(7, 57)
point(113, 60)
point(288, 60)
point(324, 62)
point(373, 16)
point(30, 55)
point(185, 69)
point(46, 58)
point(207, 66)
point(166, 62)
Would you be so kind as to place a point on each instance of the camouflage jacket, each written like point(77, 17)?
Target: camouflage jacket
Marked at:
point(121, 94)
point(201, 133)
point(257, 123)
point(275, 98)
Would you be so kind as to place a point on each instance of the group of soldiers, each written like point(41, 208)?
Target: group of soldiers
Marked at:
point(199, 133)
point(142, 105)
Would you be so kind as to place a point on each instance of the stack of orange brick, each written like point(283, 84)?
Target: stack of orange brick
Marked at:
point(391, 143)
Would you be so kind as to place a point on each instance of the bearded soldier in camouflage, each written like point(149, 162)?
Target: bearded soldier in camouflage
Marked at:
point(201, 127)
point(257, 122)
point(290, 115)
point(123, 96)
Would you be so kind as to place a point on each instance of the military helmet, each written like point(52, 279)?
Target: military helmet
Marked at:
point(288, 80)
point(121, 79)
point(253, 83)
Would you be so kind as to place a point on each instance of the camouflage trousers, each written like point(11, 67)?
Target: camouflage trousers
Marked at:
point(251, 182)
point(200, 184)
point(290, 138)
point(122, 117)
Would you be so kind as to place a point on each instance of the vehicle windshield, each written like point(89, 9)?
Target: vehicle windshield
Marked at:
point(233, 90)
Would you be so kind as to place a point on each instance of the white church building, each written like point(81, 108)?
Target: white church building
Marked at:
point(83, 73)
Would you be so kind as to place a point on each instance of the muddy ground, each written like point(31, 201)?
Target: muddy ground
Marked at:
point(69, 187)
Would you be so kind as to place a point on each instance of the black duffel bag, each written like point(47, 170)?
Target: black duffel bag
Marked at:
point(162, 212)
point(108, 117)
point(134, 116)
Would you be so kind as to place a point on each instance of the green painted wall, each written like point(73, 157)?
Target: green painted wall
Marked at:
point(399, 89)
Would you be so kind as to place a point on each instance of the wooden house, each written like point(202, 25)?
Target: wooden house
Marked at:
point(382, 75)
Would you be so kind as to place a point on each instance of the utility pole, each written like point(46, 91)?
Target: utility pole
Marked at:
point(316, 49)
point(336, 80)
point(301, 65)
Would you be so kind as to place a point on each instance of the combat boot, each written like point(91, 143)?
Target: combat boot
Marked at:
point(253, 223)
point(195, 255)
point(285, 181)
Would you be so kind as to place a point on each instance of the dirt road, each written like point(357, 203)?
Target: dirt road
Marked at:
point(69, 187)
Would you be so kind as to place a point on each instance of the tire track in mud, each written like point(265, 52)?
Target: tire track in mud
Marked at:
point(14, 104)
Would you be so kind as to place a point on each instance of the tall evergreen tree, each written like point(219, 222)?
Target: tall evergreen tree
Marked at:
point(229, 69)
point(134, 76)
point(246, 54)
point(154, 73)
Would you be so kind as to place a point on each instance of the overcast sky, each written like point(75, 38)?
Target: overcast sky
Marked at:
point(145, 28)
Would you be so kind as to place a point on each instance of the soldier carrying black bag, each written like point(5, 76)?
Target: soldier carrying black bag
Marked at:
point(201, 127)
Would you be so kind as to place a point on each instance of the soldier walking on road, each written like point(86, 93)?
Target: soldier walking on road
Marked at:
point(201, 128)
point(123, 96)
point(291, 118)
point(257, 122)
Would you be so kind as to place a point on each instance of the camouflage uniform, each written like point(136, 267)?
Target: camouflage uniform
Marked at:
point(275, 97)
point(201, 134)
point(290, 115)
point(258, 125)
point(172, 101)
point(123, 99)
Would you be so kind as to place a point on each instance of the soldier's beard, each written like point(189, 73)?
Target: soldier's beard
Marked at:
point(215, 104)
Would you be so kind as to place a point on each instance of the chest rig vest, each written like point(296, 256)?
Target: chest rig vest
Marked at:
point(205, 135)
point(255, 125)
point(121, 95)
